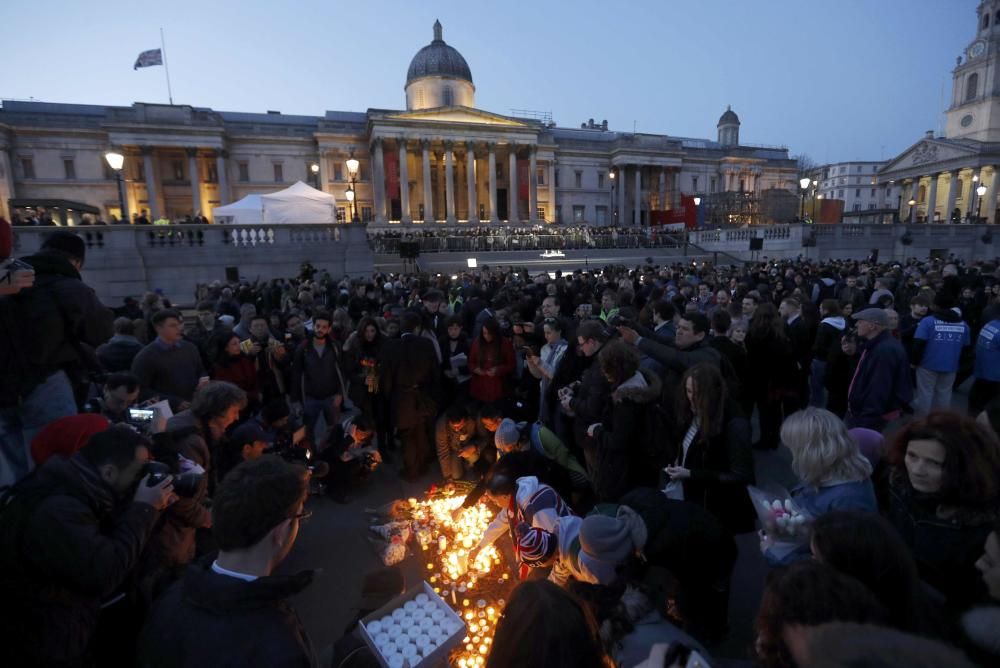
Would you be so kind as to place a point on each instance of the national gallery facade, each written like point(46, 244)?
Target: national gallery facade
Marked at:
point(441, 161)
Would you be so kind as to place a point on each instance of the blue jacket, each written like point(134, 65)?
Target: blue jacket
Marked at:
point(857, 495)
point(881, 385)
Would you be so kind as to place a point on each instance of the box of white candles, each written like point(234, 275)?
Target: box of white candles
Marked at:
point(417, 629)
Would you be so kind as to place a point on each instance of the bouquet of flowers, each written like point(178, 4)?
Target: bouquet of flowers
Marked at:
point(786, 528)
point(370, 365)
point(392, 544)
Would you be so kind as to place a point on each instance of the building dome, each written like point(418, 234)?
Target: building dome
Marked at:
point(437, 59)
point(728, 118)
point(439, 77)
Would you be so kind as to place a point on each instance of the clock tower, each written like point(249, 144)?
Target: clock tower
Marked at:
point(975, 94)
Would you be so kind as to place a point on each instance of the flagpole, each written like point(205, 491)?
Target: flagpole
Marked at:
point(170, 95)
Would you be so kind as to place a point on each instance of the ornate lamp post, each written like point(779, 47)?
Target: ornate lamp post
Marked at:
point(352, 192)
point(314, 168)
point(980, 191)
point(116, 161)
point(614, 211)
point(803, 184)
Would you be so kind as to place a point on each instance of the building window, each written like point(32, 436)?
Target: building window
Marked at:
point(578, 179)
point(600, 180)
point(873, 192)
point(69, 168)
point(177, 167)
point(742, 184)
point(338, 171)
point(211, 174)
point(279, 173)
point(140, 170)
point(557, 178)
point(857, 207)
point(859, 169)
point(986, 21)
point(341, 214)
point(541, 213)
point(840, 194)
point(602, 215)
point(244, 171)
point(971, 84)
point(578, 213)
point(713, 184)
point(857, 192)
point(366, 214)
point(694, 184)
point(448, 99)
point(540, 176)
point(28, 168)
point(871, 207)
point(558, 213)
point(500, 174)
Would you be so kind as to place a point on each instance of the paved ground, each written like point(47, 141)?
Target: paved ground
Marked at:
point(336, 540)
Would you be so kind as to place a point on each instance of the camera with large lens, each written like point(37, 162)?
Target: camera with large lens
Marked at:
point(185, 484)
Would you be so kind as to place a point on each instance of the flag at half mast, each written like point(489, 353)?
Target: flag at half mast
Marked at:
point(149, 58)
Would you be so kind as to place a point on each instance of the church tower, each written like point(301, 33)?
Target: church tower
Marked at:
point(975, 96)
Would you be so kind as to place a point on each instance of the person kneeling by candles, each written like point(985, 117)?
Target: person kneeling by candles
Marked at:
point(352, 453)
point(524, 504)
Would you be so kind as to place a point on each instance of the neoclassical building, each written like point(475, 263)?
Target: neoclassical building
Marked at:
point(940, 176)
point(439, 161)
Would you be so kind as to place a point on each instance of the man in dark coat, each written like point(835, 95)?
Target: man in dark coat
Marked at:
point(410, 378)
point(117, 354)
point(53, 323)
point(881, 387)
point(318, 375)
point(67, 544)
point(232, 611)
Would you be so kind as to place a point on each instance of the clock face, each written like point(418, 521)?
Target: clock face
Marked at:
point(977, 49)
point(966, 120)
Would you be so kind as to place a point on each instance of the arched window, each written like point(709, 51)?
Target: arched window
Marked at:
point(922, 194)
point(971, 86)
point(448, 97)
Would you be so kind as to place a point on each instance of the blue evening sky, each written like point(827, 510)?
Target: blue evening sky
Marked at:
point(843, 80)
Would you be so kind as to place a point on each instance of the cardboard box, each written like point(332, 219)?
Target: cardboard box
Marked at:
point(439, 657)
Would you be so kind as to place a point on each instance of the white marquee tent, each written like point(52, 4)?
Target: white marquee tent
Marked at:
point(299, 203)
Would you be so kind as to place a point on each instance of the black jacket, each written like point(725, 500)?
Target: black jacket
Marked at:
point(58, 314)
point(410, 378)
point(74, 550)
point(212, 620)
point(318, 377)
point(721, 471)
point(117, 354)
point(883, 383)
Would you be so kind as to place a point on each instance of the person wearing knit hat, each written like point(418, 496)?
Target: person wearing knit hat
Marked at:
point(607, 542)
point(69, 243)
point(66, 436)
point(507, 436)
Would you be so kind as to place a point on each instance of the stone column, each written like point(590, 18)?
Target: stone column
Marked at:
point(449, 182)
point(493, 182)
point(621, 197)
point(914, 191)
point(470, 181)
point(551, 210)
point(932, 197)
point(222, 175)
point(147, 165)
point(952, 194)
point(425, 147)
point(533, 184)
point(192, 154)
point(661, 195)
point(513, 215)
point(404, 184)
point(378, 179)
point(990, 205)
point(675, 191)
point(637, 212)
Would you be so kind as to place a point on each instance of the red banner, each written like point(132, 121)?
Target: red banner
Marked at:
point(392, 176)
point(523, 185)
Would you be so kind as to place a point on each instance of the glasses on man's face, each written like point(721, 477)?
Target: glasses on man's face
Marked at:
point(302, 517)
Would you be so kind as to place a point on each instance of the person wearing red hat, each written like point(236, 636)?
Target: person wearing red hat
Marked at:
point(66, 436)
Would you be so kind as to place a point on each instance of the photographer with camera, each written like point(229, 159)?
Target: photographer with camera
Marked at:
point(69, 538)
point(232, 611)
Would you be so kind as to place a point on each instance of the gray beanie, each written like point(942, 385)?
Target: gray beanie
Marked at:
point(507, 434)
point(613, 538)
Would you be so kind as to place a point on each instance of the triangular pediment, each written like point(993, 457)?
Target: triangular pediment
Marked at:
point(464, 115)
point(929, 152)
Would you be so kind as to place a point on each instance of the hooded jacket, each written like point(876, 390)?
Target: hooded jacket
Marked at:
point(211, 619)
point(828, 338)
point(74, 551)
point(627, 443)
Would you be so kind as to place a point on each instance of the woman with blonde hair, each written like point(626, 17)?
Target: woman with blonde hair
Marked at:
point(834, 474)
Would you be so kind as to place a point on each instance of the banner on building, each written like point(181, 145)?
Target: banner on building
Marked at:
point(523, 185)
point(392, 176)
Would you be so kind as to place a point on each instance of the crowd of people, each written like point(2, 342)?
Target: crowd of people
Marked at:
point(525, 238)
point(157, 462)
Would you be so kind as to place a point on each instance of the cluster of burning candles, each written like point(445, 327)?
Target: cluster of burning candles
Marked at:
point(474, 590)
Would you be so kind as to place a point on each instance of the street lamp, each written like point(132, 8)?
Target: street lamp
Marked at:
point(980, 191)
point(803, 184)
point(912, 202)
point(314, 168)
point(352, 193)
point(116, 161)
point(614, 211)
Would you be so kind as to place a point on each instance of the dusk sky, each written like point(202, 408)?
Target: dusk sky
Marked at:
point(844, 80)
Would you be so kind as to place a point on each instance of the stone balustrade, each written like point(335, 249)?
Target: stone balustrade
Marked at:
point(129, 260)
